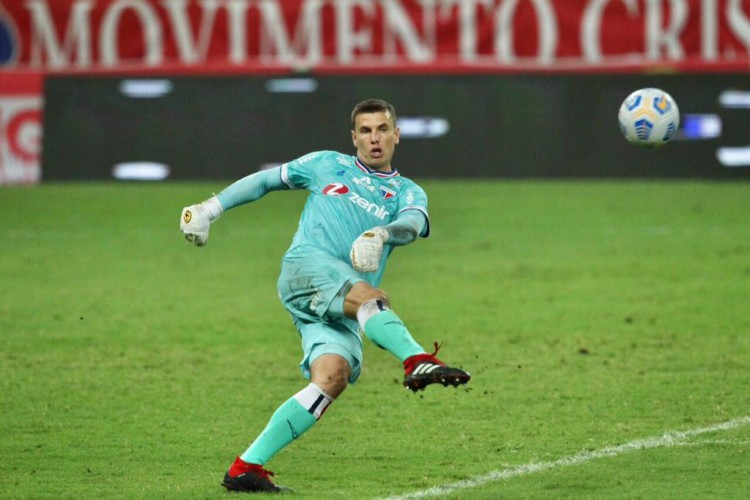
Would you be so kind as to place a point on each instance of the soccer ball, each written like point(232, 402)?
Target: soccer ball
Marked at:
point(649, 118)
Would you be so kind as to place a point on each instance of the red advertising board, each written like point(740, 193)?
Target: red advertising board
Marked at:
point(20, 127)
point(352, 35)
point(46, 37)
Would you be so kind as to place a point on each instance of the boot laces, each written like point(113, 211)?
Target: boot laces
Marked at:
point(245, 467)
point(437, 348)
point(264, 473)
point(411, 363)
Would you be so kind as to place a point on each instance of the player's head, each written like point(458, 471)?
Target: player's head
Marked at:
point(374, 106)
point(375, 133)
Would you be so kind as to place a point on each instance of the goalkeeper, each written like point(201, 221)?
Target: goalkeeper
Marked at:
point(358, 210)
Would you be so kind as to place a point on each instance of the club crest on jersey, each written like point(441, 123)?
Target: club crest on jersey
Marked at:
point(335, 189)
point(387, 193)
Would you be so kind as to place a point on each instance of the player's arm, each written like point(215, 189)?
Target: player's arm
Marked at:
point(410, 225)
point(368, 247)
point(196, 219)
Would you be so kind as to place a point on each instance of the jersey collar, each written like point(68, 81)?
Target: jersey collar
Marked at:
point(385, 175)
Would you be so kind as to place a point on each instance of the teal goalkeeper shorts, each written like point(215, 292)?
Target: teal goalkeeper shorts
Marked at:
point(312, 286)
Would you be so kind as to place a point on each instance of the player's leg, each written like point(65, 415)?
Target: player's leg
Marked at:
point(290, 420)
point(299, 413)
point(371, 308)
point(329, 375)
point(332, 359)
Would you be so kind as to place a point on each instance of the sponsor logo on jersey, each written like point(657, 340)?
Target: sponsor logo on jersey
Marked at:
point(373, 208)
point(364, 182)
point(387, 193)
point(335, 189)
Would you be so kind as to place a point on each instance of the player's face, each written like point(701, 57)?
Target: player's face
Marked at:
point(375, 136)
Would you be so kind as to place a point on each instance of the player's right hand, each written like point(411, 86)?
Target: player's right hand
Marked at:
point(194, 224)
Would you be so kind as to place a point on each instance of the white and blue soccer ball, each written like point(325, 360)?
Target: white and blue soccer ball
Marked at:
point(649, 118)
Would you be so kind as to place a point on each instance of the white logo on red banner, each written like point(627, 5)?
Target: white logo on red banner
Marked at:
point(20, 140)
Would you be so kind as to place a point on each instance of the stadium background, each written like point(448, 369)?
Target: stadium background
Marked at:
point(510, 89)
point(604, 321)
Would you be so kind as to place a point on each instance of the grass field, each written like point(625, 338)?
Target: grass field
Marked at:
point(606, 326)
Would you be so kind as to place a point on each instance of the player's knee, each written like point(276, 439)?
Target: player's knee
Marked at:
point(331, 373)
point(361, 294)
point(369, 309)
point(335, 382)
point(378, 295)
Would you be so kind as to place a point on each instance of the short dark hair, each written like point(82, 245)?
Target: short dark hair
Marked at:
point(373, 106)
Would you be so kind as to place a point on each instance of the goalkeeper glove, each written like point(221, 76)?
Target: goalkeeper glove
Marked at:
point(196, 220)
point(368, 248)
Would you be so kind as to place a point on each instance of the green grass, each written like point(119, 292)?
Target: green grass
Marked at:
point(591, 315)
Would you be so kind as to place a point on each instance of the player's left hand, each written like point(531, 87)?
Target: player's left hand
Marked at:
point(367, 249)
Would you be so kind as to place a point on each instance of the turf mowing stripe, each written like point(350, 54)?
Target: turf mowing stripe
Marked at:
point(670, 438)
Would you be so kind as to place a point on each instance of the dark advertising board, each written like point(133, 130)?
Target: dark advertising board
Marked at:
point(462, 126)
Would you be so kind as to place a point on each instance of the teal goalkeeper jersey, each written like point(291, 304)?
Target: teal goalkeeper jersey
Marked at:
point(346, 199)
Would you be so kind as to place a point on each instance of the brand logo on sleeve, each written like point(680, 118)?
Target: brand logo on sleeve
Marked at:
point(335, 189)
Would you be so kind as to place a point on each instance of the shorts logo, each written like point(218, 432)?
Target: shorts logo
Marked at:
point(335, 189)
point(187, 217)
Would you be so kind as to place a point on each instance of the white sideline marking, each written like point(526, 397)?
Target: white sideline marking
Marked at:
point(670, 438)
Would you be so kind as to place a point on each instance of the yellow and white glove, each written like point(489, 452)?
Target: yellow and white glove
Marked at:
point(196, 220)
point(368, 248)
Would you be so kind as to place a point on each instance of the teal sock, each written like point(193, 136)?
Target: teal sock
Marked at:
point(288, 422)
point(387, 331)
